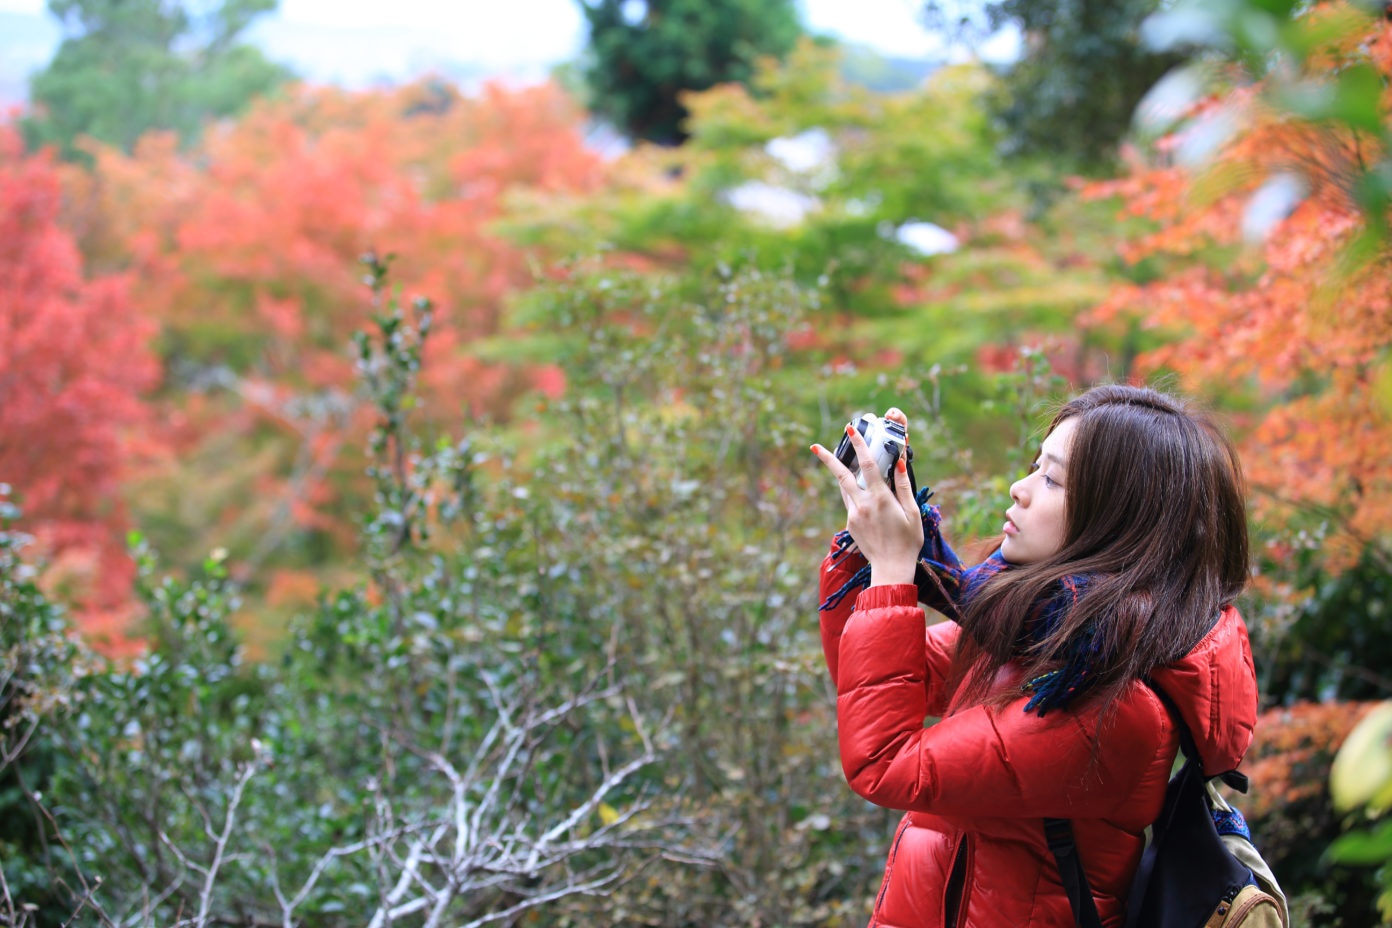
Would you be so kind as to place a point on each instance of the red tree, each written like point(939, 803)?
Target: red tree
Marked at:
point(74, 364)
point(246, 250)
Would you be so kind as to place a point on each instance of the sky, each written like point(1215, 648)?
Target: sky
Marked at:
point(357, 42)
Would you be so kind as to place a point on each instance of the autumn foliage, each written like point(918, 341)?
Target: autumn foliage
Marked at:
point(75, 366)
point(245, 250)
point(243, 253)
point(175, 355)
point(1284, 317)
point(227, 276)
point(1289, 806)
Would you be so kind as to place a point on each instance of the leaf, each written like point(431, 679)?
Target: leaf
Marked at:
point(1362, 770)
point(1358, 98)
point(1353, 98)
point(1363, 848)
point(1305, 35)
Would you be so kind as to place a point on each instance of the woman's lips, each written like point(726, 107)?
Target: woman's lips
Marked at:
point(1010, 528)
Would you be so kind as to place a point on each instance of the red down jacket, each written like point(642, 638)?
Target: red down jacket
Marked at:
point(976, 785)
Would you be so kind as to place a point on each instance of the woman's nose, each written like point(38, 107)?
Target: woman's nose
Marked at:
point(1017, 492)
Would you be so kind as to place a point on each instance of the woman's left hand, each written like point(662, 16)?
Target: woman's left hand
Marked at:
point(884, 521)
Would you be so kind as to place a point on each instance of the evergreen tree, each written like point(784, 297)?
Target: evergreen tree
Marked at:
point(643, 54)
point(1082, 71)
point(128, 66)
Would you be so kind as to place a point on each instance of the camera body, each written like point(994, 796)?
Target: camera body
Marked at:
point(886, 439)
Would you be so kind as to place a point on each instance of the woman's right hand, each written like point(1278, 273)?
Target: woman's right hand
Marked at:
point(884, 522)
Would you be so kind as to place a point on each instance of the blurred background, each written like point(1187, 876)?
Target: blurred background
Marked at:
point(405, 511)
point(359, 45)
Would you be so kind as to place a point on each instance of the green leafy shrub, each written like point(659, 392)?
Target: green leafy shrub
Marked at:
point(579, 673)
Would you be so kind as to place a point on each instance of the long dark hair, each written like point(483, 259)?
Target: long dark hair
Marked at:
point(1155, 518)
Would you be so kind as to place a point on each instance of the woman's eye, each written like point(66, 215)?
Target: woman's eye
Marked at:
point(1033, 467)
point(1050, 481)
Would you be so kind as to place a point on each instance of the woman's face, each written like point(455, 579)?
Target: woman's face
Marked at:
point(1035, 524)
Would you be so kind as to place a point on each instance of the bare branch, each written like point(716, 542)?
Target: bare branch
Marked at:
point(205, 899)
point(14, 748)
point(87, 897)
point(583, 810)
point(13, 918)
point(288, 906)
point(147, 911)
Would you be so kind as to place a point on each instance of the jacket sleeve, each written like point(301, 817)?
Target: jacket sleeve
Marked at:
point(838, 567)
point(940, 639)
point(980, 761)
point(939, 577)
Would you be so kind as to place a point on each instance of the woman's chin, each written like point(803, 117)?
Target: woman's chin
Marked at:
point(1010, 549)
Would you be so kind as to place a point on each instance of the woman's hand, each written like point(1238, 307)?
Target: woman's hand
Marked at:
point(884, 523)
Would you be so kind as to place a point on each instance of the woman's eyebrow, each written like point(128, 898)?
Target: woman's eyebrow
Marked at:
point(1061, 462)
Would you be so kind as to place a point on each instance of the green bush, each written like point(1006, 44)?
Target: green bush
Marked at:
point(580, 672)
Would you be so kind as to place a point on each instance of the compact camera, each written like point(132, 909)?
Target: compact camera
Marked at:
point(886, 439)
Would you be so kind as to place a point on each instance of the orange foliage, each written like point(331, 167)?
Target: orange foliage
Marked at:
point(1283, 318)
point(294, 588)
point(1290, 759)
point(245, 252)
point(74, 365)
point(246, 249)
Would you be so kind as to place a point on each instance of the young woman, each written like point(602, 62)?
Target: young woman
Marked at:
point(1123, 549)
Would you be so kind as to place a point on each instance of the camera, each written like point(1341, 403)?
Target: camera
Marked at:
point(886, 439)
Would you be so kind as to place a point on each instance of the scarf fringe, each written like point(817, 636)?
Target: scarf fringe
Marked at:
point(939, 566)
point(843, 544)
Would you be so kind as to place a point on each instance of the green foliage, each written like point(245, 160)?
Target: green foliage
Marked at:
point(866, 67)
point(1361, 779)
point(1364, 848)
point(892, 326)
point(41, 666)
point(1316, 67)
point(687, 512)
point(1335, 645)
point(1082, 72)
point(579, 672)
point(641, 62)
point(421, 743)
point(125, 68)
point(925, 155)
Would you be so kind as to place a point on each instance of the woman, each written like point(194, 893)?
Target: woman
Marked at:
point(1123, 550)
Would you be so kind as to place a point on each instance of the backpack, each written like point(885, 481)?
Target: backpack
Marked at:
point(1200, 868)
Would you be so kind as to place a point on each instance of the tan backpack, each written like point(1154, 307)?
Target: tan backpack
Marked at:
point(1199, 869)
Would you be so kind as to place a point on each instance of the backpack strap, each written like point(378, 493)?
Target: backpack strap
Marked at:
point(1059, 832)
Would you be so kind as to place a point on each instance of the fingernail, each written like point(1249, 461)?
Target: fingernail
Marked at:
point(901, 465)
point(850, 429)
point(812, 448)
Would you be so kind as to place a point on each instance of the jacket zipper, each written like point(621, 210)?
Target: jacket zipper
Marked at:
point(889, 869)
point(955, 899)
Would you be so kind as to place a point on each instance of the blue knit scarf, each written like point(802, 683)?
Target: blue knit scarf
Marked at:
point(947, 585)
